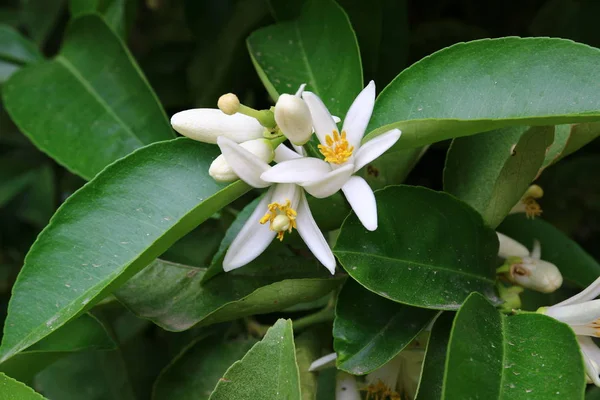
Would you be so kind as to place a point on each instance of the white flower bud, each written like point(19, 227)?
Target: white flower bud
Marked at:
point(206, 124)
point(293, 118)
point(510, 247)
point(229, 103)
point(221, 171)
point(535, 274)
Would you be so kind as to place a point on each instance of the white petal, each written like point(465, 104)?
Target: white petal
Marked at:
point(536, 252)
point(576, 314)
point(282, 192)
point(375, 147)
point(362, 200)
point(337, 120)
point(345, 387)
point(245, 164)
point(322, 120)
point(589, 293)
point(300, 90)
point(252, 239)
point(359, 114)
point(329, 183)
point(388, 373)
point(206, 124)
point(591, 358)
point(299, 149)
point(323, 362)
point(284, 153)
point(509, 247)
point(304, 169)
point(312, 235)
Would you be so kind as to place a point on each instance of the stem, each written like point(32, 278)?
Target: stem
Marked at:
point(265, 117)
point(325, 315)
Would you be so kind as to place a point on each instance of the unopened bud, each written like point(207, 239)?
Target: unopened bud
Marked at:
point(534, 274)
point(534, 191)
point(293, 118)
point(206, 124)
point(229, 103)
point(510, 247)
point(220, 169)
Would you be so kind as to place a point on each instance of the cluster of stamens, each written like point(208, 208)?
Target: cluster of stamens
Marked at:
point(379, 391)
point(281, 218)
point(337, 150)
point(532, 207)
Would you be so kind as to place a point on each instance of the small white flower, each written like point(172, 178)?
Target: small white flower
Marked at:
point(293, 117)
point(283, 208)
point(344, 155)
point(528, 269)
point(206, 124)
point(582, 313)
point(528, 203)
point(220, 169)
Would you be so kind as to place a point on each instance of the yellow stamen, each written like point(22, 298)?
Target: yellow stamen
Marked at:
point(379, 391)
point(337, 150)
point(276, 209)
point(532, 207)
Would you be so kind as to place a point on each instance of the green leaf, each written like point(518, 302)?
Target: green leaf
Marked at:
point(308, 347)
point(311, 50)
point(15, 51)
point(492, 170)
point(40, 17)
point(113, 11)
point(574, 263)
point(489, 84)
point(11, 389)
point(110, 229)
point(174, 297)
point(391, 168)
point(194, 373)
point(568, 139)
point(492, 356)
point(90, 105)
point(83, 333)
point(267, 371)
point(370, 330)
point(430, 250)
point(330, 212)
point(432, 376)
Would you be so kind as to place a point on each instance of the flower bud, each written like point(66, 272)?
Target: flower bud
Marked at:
point(229, 103)
point(535, 274)
point(510, 247)
point(221, 171)
point(206, 124)
point(293, 118)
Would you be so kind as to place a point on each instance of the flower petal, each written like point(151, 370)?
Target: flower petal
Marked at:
point(323, 362)
point(300, 90)
point(252, 239)
point(312, 235)
point(375, 147)
point(206, 124)
point(589, 293)
point(536, 252)
point(591, 358)
point(245, 164)
point(322, 119)
point(299, 170)
point(359, 114)
point(509, 247)
point(576, 314)
point(329, 183)
point(284, 153)
point(299, 149)
point(345, 387)
point(362, 200)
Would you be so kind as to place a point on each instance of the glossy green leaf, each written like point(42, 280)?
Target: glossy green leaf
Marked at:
point(113, 11)
point(432, 376)
point(492, 170)
point(15, 51)
point(83, 333)
point(575, 264)
point(330, 212)
point(370, 330)
point(40, 17)
point(110, 229)
point(93, 98)
point(492, 356)
point(430, 250)
point(11, 389)
point(308, 347)
point(268, 371)
point(311, 50)
point(488, 84)
point(194, 373)
point(568, 139)
point(391, 168)
point(174, 297)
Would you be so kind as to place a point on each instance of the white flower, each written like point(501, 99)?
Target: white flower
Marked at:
point(206, 124)
point(293, 117)
point(528, 269)
point(582, 313)
point(220, 169)
point(528, 203)
point(344, 155)
point(283, 208)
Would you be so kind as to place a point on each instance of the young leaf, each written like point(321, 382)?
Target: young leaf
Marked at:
point(491, 171)
point(574, 263)
point(268, 371)
point(11, 389)
point(110, 229)
point(488, 84)
point(319, 49)
point(430, 250)
point(174, 297)
point(492, 356)
point(370, 330)
point(90, 105)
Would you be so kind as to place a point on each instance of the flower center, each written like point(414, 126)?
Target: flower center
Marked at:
point(281, 218)
point(379, 391)
point(532, 207)
point(337, 150)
